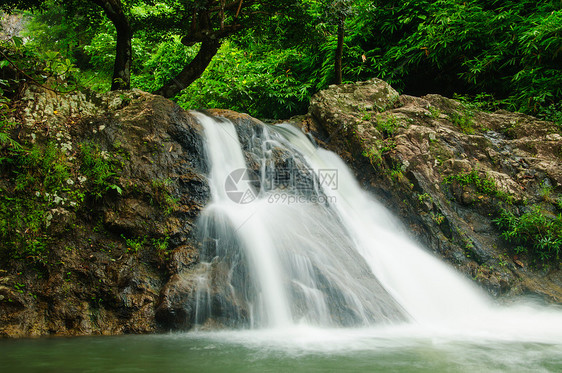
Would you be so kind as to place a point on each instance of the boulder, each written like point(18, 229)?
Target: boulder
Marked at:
point(447, 169)
point(111, 257)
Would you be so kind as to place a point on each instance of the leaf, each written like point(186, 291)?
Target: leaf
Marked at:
point(116, 187)
point(18, 42)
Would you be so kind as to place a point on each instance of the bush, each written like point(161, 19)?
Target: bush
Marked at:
point(535, 232)
point(263, 83)
point(508, 49)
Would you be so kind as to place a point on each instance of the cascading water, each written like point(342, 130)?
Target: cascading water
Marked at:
point(290, 239)
point(272, 261)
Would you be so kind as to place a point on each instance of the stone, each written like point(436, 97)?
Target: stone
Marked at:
point(514, 151)
point(96, 282)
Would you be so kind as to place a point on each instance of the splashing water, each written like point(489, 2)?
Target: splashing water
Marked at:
point(294, 250)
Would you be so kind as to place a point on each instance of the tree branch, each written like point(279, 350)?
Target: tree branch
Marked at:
point(30, 78)
point(238, 10)
point(191, 72)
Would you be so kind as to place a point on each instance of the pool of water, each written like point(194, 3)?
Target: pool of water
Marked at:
point(302, 350)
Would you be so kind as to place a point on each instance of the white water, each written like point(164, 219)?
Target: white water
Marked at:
point(306, 266)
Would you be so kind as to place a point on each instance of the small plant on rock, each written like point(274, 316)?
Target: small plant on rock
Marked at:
point(535, 233)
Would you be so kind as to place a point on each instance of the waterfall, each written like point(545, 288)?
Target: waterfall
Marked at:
point(290, 239)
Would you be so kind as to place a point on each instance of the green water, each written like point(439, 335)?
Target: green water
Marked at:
point(255, 352)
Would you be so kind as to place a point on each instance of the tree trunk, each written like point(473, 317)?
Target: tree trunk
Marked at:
point(191, 72)
point(123, 50)
point(339, 50)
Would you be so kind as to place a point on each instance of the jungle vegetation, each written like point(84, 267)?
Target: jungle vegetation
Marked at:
point(268, 57)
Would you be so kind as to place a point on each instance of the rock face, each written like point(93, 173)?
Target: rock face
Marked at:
point(448, 170)
point(115, 261)
point(122, 252)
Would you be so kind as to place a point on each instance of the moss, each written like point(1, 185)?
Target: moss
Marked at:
point(434, 112)
point(464, 121)
point(162, 197)
point(439, 152)
point(386, 126)
point(376, 151)
point(396, 171)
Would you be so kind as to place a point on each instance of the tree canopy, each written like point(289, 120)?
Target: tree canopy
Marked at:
point(267, 57)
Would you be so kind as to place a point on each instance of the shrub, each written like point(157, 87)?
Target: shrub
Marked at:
point(535, 232)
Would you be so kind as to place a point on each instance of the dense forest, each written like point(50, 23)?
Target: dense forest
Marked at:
point(268, 57)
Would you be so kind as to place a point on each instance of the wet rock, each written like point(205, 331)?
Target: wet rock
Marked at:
point(109, 261)
point(176, 308)
point(414, 152)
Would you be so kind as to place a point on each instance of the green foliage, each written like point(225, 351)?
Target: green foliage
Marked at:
point(386, 126)
point(373, 154)
point(162, 196)
point(396, 171)
point(160, 61)
point(553, 112)
point(463, 121)
point(40, 184)
point(500, 54)
point(510, 50)
point(44, 182)
point(263, 83)
point(325, 15)
point(134, 244)
point(481, 101)
point(22, 229)
point(161, 246)
point(101, 51)
point(41, 176)
point(425, 196)
point(100, 168)
point(437, 218)
point(536, 233)
point(434, 112)
point(482, 184)
point(376, 152)
point(22, 63)
point(11, 5)
point(46, 164)
point(546, 192)
point(78, 32)
point(6, 127)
